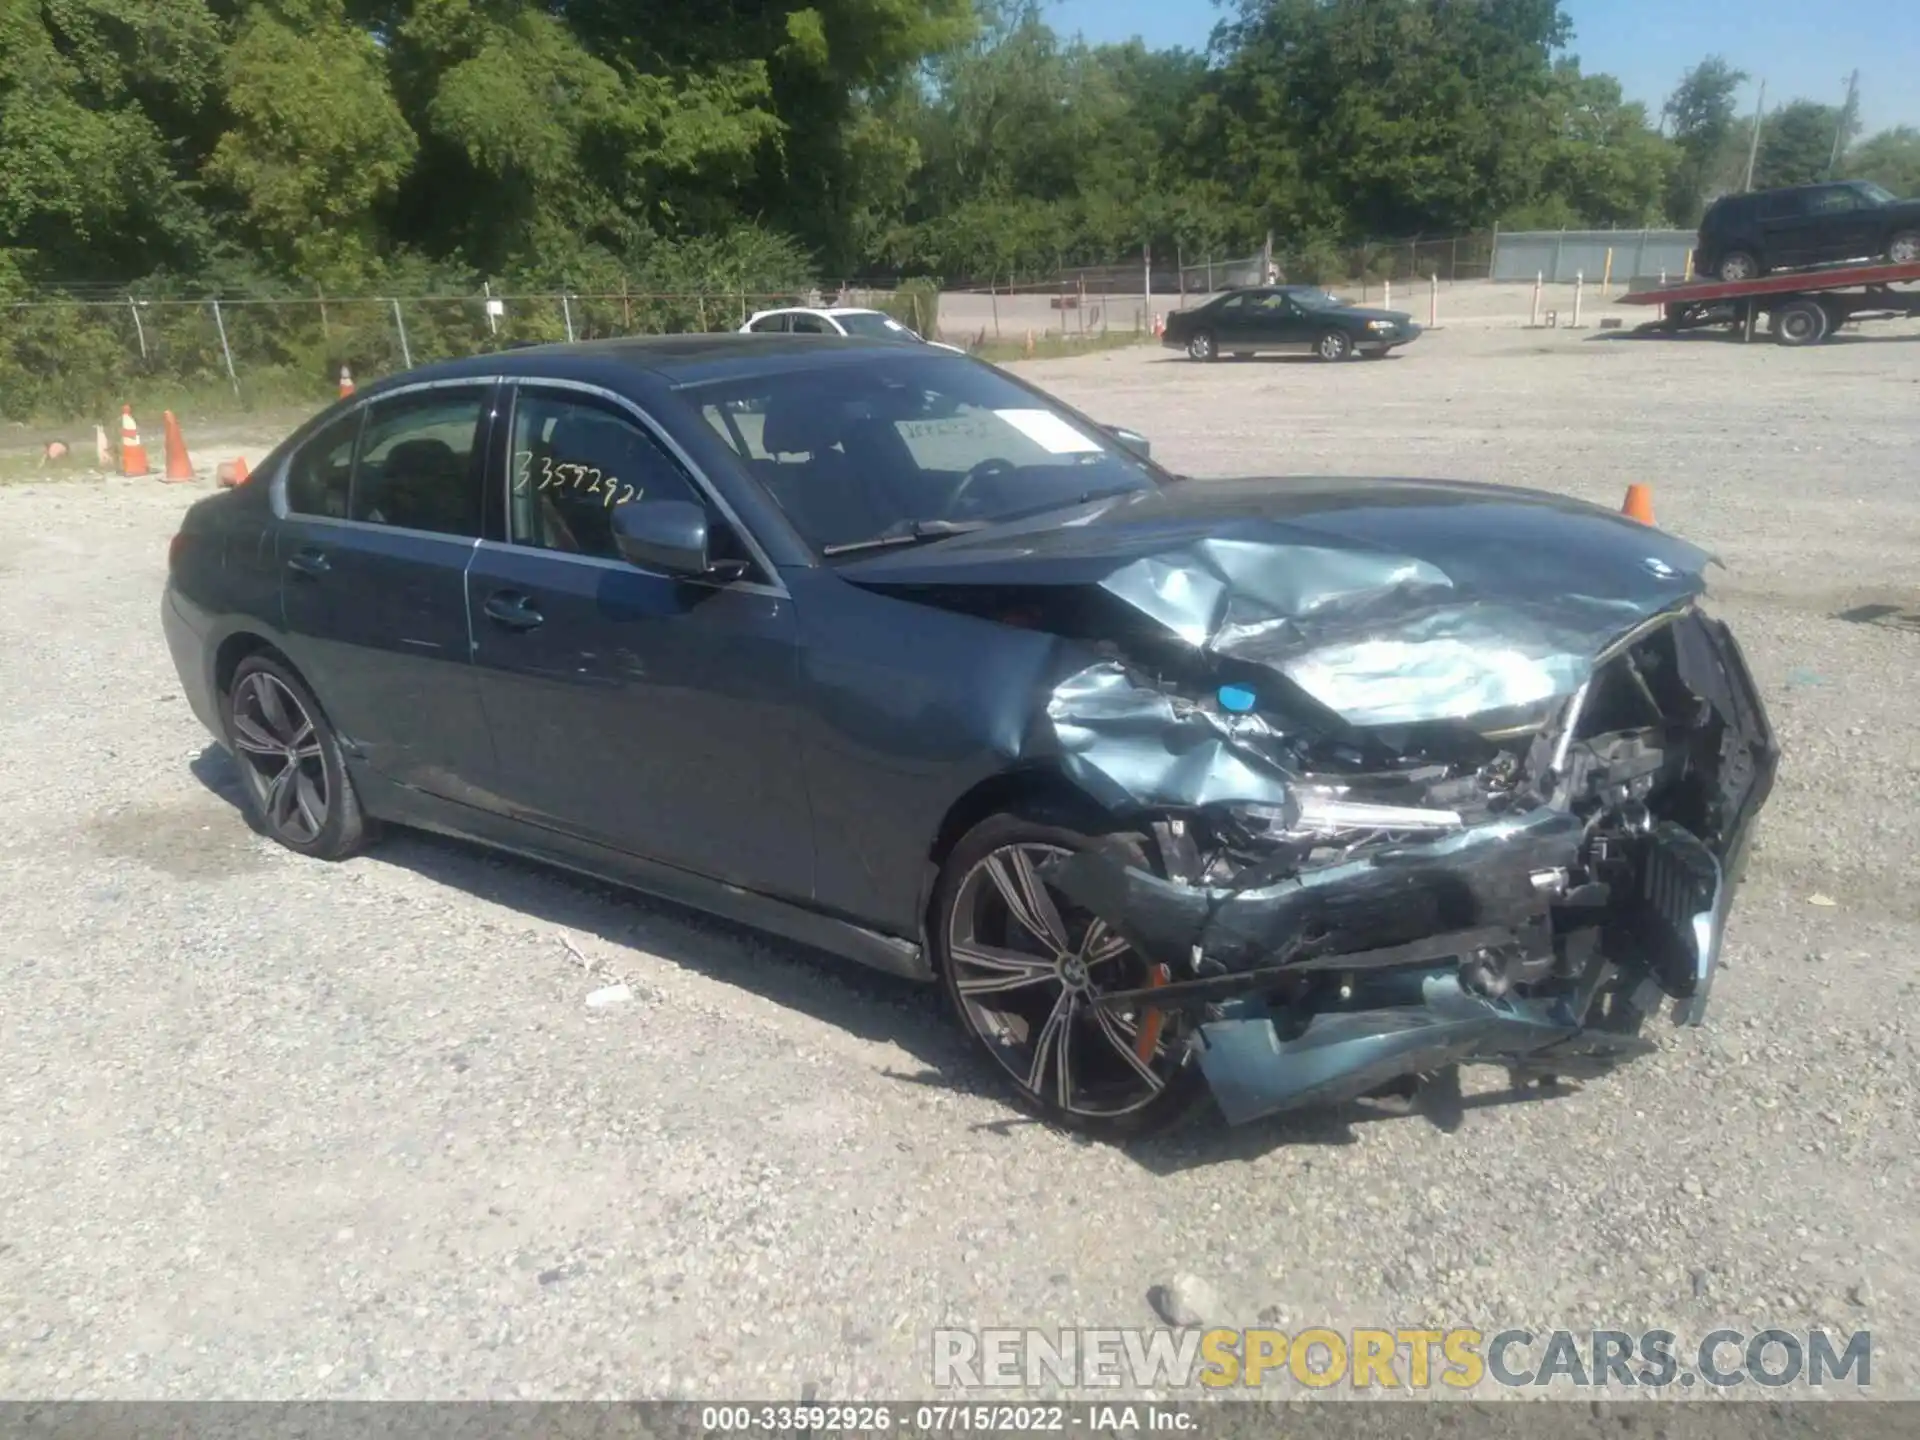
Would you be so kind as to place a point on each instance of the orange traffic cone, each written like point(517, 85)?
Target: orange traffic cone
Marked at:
point(133, 455)
point(1639, 504)
point(232, 472)
point(346, 382)
point(179, 467)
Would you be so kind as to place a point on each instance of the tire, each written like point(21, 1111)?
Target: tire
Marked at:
point(1801, 322)
point(1904, 248)
point(1334, 345)
point(1740, 265)
point(1202, 347)
point(292, 773)
point(1109, 1091)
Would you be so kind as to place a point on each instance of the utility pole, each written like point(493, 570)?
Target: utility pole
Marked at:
point(1753, 149)
point(1845, 124)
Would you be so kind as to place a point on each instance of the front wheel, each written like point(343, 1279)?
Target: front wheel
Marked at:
point(1904, 248)
point(1201, 346)
point(1023, 968)
point(1334, 345)
point(292, 772)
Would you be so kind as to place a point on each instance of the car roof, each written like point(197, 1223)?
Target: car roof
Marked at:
point(819, 310)
point(674, 359)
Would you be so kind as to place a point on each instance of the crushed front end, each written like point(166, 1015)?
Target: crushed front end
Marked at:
point(1347, 896)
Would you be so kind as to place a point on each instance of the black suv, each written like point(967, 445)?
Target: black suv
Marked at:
point(1745, 236)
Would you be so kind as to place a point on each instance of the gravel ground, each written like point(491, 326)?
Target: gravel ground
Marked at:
point(273, 1128)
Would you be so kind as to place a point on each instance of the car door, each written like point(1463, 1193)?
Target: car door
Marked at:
point(1787, 228)
point(378, 515)
point(1286, 324)
point(1232, 323)
point(1842, 226)
point(630, 709)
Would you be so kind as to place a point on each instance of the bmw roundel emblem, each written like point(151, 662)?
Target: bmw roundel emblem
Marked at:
point(1659, 569)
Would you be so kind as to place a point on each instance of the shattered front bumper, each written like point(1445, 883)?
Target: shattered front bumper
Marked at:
point(1343, 980)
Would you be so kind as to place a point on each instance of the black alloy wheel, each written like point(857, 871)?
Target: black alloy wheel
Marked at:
point(297, 788)
point(1023, 967)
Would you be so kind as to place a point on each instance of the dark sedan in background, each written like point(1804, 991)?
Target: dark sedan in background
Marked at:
point(1283, 790)
point(1287, 319)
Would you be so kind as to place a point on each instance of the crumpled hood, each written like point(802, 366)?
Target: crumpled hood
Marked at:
point(1388, 601)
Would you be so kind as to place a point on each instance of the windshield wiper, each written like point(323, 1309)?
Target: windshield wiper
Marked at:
point(920, 530)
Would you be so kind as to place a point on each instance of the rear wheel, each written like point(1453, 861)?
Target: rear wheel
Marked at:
point(1334, 345)
point(292, 772)
point(1201, 347)
point(1904, 248)
point(1023, 967)
point(1739, 265)
point(1801, 322)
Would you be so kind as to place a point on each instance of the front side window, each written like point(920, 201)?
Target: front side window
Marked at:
point(1876, 194)
point(320, 475)
point(416, 468)
point(1835, 201)
point(872, 452)
point(574, 459)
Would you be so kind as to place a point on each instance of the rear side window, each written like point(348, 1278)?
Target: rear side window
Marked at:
point(321, 473)
point(416, 468)
point(1835, 200)
point(810, 325)
point(769, 325)
point(1784, 205)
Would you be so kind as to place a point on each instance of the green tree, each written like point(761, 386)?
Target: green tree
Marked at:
point(1701, 122)
point(1797, 143)
point(1605, 165)
point(1892, 157)
point(317, 141)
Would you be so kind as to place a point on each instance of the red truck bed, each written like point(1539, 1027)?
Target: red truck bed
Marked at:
point(1792, 282)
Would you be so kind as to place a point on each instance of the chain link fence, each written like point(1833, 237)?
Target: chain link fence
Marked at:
point(69, 357)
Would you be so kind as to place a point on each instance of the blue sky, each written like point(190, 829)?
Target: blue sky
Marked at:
point(1801, 50)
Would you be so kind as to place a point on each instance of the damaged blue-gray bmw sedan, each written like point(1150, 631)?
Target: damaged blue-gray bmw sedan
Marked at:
point(1283, 791)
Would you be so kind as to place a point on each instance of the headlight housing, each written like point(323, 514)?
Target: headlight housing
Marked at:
point(1380, 324)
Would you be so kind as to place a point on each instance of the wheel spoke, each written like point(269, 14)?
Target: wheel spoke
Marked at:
point(1050, 1052)
point(279, 802)
point(1101, 944)
point(251, 738)
point(273, 708)
point(1110, 1028)
point(1027, 899)
point(308, 800)
point(1012, 970)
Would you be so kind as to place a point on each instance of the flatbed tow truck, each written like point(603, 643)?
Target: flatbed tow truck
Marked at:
point(1804, 307)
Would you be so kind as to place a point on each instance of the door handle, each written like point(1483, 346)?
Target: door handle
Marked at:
point(513, 610)
point(309, 561)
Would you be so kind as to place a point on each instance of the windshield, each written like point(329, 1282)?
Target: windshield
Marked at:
point(1878, 194)
point(858, 453)
point(875, 326)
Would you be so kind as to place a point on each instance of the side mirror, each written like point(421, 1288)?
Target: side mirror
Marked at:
point(670, 536)
point(1133, 441)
